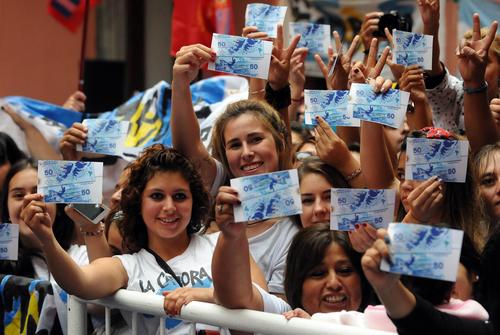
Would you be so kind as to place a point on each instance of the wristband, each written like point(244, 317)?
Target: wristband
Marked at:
point(480, 89)
point(258, 91)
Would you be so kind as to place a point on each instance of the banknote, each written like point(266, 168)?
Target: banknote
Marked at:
point(446, 159)
point(356, 206)
point(408, 238)
point(267, 195)
point(331, 105)
point(313, 36)
point(70, 181)
point(387, 108)
point(423, 251)
point(104, 136)
point(265, 17)
point(412, 48)
point(9, 241)
point(241, 56)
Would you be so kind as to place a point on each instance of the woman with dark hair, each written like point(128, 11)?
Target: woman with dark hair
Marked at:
point(9, 154)
point(323, 273)
point(164, 205)
point(21, 180)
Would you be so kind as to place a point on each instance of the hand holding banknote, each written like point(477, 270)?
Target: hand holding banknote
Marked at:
point(224, 213)
point(336, 73)
point(34, 213)
point(77, 134)
point(425, 201)
point(188, 61)
point(380, 280)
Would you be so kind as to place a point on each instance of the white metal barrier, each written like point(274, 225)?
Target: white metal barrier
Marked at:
point(211, 314)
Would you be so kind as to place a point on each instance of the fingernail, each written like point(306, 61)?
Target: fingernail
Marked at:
point(365, 225)
point(356, 70)
point(389, 260)
point(356, 226)
point(387, 240)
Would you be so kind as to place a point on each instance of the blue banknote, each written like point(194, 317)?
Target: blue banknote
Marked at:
point(386, 108)
point(241, 56)
point(446, 159)
point(423, 251)
point(265, 17)
point(356, 206)
point(9, 241)
point(70, 181)
point(267, 195)
point(408, 238)
point(411, 48)
point(313, 36)
point(331, 105)
point(105, 136)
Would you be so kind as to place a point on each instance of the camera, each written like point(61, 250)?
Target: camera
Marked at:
point(393, 20)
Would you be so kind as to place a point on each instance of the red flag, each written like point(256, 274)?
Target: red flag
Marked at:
point(194, 21)
point(69, 12)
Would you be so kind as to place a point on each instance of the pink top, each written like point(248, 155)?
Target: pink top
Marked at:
point(376, 316)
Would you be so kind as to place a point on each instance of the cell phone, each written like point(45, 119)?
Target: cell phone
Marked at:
point(95, 213)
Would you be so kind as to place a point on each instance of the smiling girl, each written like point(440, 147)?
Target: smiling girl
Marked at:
point(247, 139)
point(164, 203)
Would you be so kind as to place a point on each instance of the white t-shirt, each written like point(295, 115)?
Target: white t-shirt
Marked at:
point(270, 248)
point(193, 268)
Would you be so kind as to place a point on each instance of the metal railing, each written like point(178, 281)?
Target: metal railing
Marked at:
point(210, 314)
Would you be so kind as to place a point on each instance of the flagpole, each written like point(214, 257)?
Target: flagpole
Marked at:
point(84, 43)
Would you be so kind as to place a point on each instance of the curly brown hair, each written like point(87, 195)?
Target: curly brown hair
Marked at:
point(154, 159)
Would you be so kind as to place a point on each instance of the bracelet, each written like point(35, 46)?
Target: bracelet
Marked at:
point(297, 100)
point(480, 89)
point(353, 175)
point(98, 232)
point(258, 91)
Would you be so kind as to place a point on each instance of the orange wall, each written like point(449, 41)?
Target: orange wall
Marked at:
point(39, 57)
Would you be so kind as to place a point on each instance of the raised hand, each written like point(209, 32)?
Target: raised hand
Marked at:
point(368, 27)
point(280, 60)
point(34, 213)
point(362, 237)
point(337, 78)
point(297, 73)
point(425, 201)
point(361, 73)
point(76, 101)
point(330, 148)
point(370, 262)
point(412, 81)
point(473, 55)
point(224, 213)
point(77, 134)
point(429, 11)
point(396, 69)
point(188, 61)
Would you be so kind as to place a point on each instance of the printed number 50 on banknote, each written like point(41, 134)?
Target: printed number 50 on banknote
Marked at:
point(446, 159)
point(356, 206)
point(268, 195)
point(423, 251)
point(242, 56)
point(70, 181)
